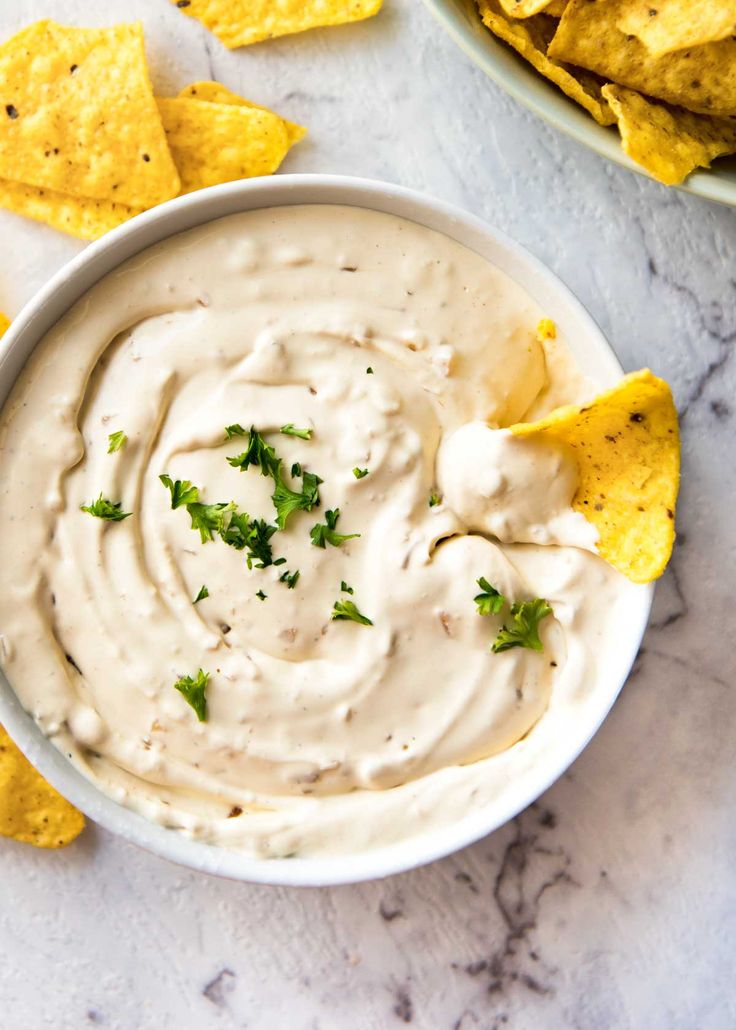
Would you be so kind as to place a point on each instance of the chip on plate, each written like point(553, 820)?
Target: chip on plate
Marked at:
point(214, 142)
point(216, 93)
point(668, 141)
point(530, 38)
point(667, 25)
point(241, 22)
point(79, 115)
point(31, 810)
point(701, 78)
point(627, 447)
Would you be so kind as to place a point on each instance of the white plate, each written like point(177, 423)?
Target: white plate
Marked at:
point(597, 361)
point(461, 20)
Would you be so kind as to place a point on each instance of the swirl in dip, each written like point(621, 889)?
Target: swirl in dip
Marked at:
point(404, 353)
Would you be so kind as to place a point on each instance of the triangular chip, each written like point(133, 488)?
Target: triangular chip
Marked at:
point(530, 38)
point(214, 143)
point(79, 216)
point(4, 324)
point(669, 142)
point(627, 447)
point(79, 115)
point(216, 93)
point(31, 810)
point(667, 25)
point(241, 22)
point(526, 8)
point(701, 78)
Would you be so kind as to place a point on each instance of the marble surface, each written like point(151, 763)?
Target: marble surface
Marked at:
point(610, 903)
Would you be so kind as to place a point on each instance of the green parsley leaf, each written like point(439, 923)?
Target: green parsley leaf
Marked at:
point(286, 501)
point(491, 601)
point(345, 588)
point(369, 371)
point(259, 453)
point(290, 578)
point(347, 610)
point(203, 592)
point(117, 441)
point(108, 510)
point(279, 561)
point(234, 430)
point(434, 499)
point(182, 491)
point(290, 430)
point(261, 595)
point(525, 629)
point(324, 532)
point(259, 552)
point(193, 692)
point(235, 532)
point(359, 473)
point(209, 518)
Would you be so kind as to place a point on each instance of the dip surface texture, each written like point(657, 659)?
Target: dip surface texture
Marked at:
point(397, 348)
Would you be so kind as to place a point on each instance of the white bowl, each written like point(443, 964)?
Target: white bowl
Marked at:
point(461, 20)
point(597, 361)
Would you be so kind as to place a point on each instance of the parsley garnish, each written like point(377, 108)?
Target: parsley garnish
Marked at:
point(210, 518)
point(279, 561)
point(290, 430)
point(525, 629)
point(290, 578)
point(182, 491)
point(345, 588)
point(491, 601)
point(359, 473)
point(369, 371)
point(203, 592)
point(434, 499)
point(193, 692)
point(347, 610)
point(234, 430)
point(324, 533)
point(108, 510)
point(258, 452)
point(261, 595)
point(260, 552)
point(117, 441)
point(286, 501)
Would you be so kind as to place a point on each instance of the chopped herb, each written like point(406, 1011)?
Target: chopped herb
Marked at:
point(235, 532)
point(525, 629)
point(261, 595)
point(324, 532)
point(347, 610)
point(116, 441)
point(182, 491)
point(193, 692)
point(369, 371)
point(290, 578)
point(210, 518)
point(345, 588)
point(259, 552)
point(290, 430)
point(491, 601)
point(285, 500)
point(279, 561)
point(359, 473)
point(203, 592)
point(434, 499)
point(258, 452)
point(235, 430)
point(296, 469)
point(108, 510)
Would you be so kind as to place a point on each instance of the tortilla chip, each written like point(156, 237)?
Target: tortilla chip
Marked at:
point(530, 38)
point(525, 8)
point(214, 143)
point(627, 447)
point(4, 324)
point(669, 142)
point(216, 93)
point(31, 810)
point(241, 22)
point(556, 8)
point(702, 78)
point(80, 116)
point(667, 25)
point(79, 216)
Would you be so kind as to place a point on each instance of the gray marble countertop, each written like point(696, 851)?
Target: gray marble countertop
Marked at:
point(612, 901)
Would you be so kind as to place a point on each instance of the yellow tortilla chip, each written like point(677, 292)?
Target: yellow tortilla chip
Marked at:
point(556, 8)
point(31, 810)
point(214, 143)
point(701, 78)
point(668, 141)
point(530, 38)
point(627, 447)
point(216, 93)
point(4, 324)
point(241, 22)
point(79, 115)
point(525, 8)
point(667, 25)
point(79, 216)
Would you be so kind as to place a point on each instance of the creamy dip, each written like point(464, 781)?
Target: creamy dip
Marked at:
point(405, 354)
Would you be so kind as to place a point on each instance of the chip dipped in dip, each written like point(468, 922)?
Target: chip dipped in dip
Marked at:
point(276, 573)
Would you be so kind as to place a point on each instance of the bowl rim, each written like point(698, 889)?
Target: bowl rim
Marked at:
point(59, 294)
point(517, 78)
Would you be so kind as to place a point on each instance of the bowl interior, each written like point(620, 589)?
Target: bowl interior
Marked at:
point(597, 361)
point(515, 75)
